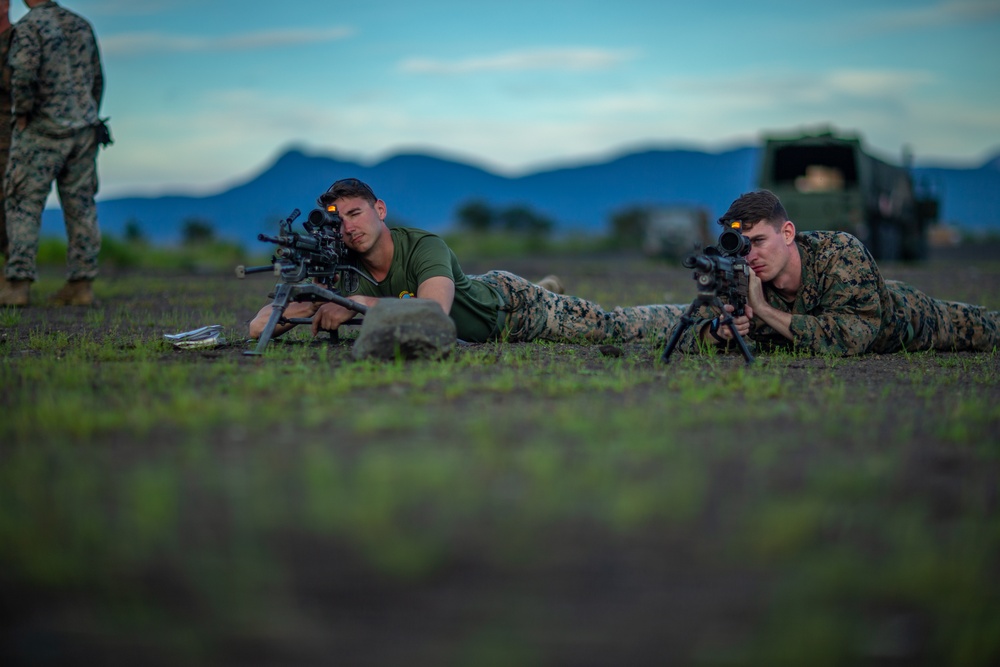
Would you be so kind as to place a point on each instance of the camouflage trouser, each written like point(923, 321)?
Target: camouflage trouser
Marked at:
point(35, 161)
point(945, 325)
point(4, 152)
point(534, 313)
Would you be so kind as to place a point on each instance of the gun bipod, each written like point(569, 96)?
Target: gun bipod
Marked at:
point(687, 319)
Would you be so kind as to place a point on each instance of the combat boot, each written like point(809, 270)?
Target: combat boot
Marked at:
point(552, 284)
point(16, 293)
point(74, 293)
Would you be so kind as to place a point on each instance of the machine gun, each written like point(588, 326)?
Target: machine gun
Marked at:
point(723, 276)
point(319, 254)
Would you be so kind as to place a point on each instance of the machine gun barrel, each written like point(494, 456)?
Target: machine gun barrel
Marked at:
point(698, 262)
point(242, 271)
point(293, 241)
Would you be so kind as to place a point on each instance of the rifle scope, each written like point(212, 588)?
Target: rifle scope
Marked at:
point(733, 244)
point(320, 218)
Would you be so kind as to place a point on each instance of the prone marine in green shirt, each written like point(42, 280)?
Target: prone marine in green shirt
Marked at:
point(411, 263)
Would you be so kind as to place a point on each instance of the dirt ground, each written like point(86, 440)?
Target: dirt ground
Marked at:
point(590, 597)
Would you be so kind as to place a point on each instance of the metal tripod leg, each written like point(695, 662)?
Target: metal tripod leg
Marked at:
point(686, 321)
point(282, 295)
point(747, 355)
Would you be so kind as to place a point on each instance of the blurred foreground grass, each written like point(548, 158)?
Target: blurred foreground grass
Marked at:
point(528, 504)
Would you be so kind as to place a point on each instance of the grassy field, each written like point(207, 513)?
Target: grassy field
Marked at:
point(529, 504)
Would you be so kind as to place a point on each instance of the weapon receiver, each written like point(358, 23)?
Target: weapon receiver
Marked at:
point(318, 256)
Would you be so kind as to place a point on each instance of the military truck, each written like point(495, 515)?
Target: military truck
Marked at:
point(830, 181)
point(672, 232)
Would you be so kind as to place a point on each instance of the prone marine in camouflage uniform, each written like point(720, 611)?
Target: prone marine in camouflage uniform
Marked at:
point(822, 292)
point(56, 86)
point(408, 262)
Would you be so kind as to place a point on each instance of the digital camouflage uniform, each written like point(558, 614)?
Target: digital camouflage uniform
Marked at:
point(499, 304)
point(56, 84)
point(844, 307)
point(5, 121)
point(534, 313)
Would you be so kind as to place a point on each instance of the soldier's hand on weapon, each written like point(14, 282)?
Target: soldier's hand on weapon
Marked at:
point(329, 316)
point(714, 332)
point(302, 309)
point(294, 310)
point(743, 321)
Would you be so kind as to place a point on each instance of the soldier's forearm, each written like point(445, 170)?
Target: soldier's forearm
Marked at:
point(22, 97)
point(778, 320)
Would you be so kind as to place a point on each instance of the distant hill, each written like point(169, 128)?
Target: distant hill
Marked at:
point(425, 191)
point(970, 198)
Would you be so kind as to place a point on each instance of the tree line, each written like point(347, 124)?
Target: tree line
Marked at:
point(477, 216)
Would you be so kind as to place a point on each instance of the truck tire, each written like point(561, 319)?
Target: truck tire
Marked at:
point(888, 245)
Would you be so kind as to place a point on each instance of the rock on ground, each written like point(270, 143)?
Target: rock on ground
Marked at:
point(410, 328)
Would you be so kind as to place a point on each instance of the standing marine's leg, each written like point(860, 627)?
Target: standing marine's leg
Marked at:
point(536, 313)
point(77, 185)
point(35, 161)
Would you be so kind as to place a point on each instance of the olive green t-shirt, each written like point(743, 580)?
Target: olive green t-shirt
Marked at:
point(419, 255)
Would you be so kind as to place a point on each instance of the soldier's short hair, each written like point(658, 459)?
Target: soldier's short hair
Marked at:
point(347, 187)
point(752, 207)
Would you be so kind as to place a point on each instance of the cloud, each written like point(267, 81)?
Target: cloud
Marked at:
point(578, 59)
point(151, 42)
point(131, 7)
point(875, 83)
point(774, 89)
point(948, 12)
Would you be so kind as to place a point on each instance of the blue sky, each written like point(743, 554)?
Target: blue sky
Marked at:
point(206, 93)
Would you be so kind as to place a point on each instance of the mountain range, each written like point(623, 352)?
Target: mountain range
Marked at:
point(425, 191)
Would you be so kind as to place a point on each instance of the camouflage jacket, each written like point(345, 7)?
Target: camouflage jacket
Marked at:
point(56, 76)
point(5, 113)
point(843, 308)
